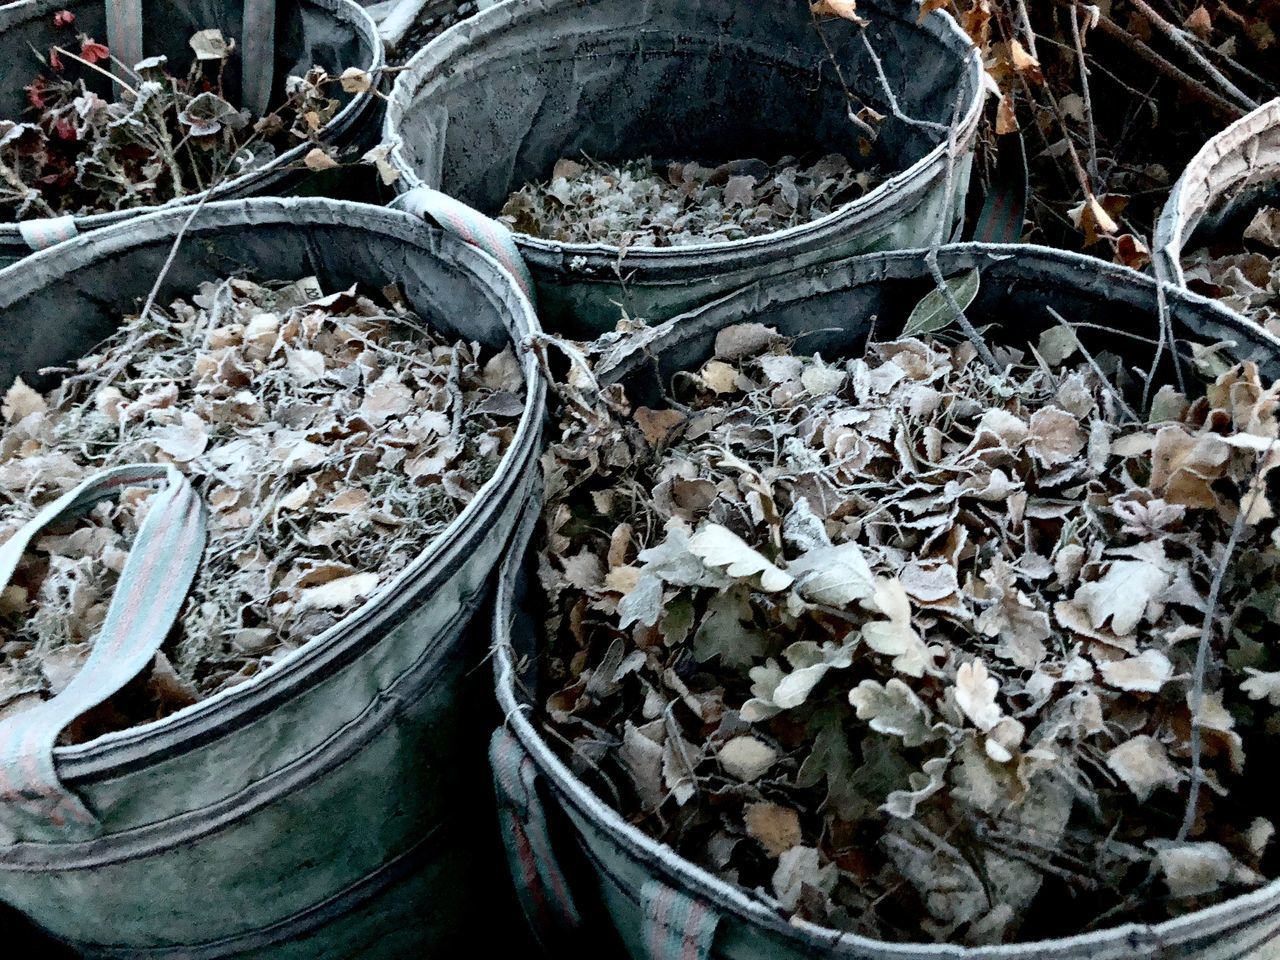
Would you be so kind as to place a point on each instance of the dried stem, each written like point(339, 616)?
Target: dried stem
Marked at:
point(97, 69)
point(1091, 131)
point(1202, 650)
point(1153, 59)
point(1179, 40)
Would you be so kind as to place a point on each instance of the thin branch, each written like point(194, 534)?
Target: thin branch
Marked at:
point(1091, 131)
point(1202, 651)
point(1182, 43)
point(1153, 59)
point(894, 108)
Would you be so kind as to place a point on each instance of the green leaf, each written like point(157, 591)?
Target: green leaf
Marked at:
point(832, 759)
point(932, 312)
point(723, 634)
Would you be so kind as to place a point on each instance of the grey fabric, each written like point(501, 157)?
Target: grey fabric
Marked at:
point(832, 307)
point(334, 34)
point(495, 101)
point(278, 805)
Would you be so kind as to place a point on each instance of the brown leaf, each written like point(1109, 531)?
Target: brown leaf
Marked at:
point(1092, 218)
point(658, 425)
point(317, 159)
point(1132, 252)
point(1199, 23)
point(848, 9)
point(775, 827)
point(1006, 118)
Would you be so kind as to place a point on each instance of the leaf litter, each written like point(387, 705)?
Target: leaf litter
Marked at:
point(332, 438)
point(1244, 275)
point(907, 647)
point(638, 204)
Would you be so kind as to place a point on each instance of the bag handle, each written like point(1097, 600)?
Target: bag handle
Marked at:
point(152, 587)
point(540, 883)
point(257, 55)
point(124, 35)
point(676, 926)
point(471, 226)
point(257, 46)
point(999, 220)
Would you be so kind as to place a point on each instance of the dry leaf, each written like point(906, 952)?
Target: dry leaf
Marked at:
point(319, 159)
point(775, 827)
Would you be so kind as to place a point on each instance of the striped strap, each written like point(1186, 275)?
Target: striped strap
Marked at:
point(124, 35)
point(1005, 204)
point(676, 927)
point(472, 227)
point(257, 55)
point(541, 885)
point(47, 231)
point(34, 803)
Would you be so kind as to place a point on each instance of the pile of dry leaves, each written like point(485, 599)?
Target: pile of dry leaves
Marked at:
point(909, 647)
point(634, 205)
point(331, 439)
point(164, 135)
point(1246, 281)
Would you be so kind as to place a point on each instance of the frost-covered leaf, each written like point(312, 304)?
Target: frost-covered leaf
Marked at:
point(976, 692)
point(933, 313)
point(903, 803)
point(1262, 685)
point(1194, 869)
point(1121, 597)
point(896, 637)
point(893, 708)
point(801, 867)
point(720, 547)
point(835, 575)
point(746, 758)
point(1143, 764)
point(210, 45)
point(643, 604)
point(811, 663)
point(1148, 672)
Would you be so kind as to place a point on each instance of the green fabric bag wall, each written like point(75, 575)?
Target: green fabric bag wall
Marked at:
point(333, 806)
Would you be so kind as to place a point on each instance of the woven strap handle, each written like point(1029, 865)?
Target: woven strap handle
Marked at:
point(676, 926)
point(540, 883)
point(257, 55)
point(473, 227)
point(257, 46)
point(157, 574)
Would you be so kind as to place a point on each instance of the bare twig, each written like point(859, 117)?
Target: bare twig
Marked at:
point(1179, 40)
point(892, 100)
point(1196, 701)
point(1153, 59)
point(1091, 131)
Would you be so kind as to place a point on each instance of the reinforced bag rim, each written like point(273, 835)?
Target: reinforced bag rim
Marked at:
point(877, 205)
point(1112, 943)
point(230, 709)
point(1195, 191)
point(360, 105)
